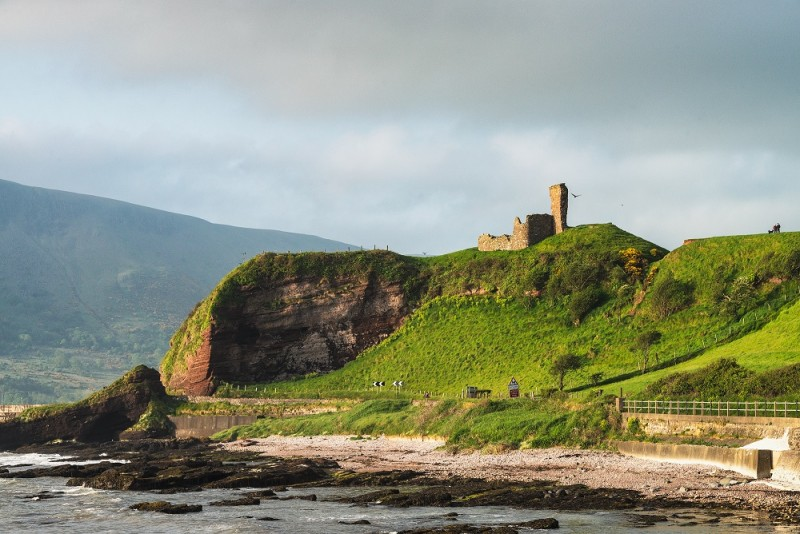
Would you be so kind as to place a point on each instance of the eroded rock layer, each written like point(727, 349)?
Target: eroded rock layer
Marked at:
point(290, 328)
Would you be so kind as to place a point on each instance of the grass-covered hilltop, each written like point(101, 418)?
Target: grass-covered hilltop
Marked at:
point(593, 308)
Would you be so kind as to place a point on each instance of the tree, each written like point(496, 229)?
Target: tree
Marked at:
point(643, 342)
point(564, 364)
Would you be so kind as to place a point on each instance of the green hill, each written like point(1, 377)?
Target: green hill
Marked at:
point(91, 286)
point(485, 317)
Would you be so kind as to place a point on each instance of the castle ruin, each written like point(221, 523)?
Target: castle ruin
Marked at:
point(535, 228)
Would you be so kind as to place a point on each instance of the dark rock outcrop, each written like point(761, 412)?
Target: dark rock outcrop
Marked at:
point(182, 474)
point(242, 501)
point(290, 328)
point(100, 417)
point(165, 507)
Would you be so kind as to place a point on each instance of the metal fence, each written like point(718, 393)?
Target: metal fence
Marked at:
point(716, 408)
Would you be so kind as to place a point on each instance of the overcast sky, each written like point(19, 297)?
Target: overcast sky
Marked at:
point(412, 124)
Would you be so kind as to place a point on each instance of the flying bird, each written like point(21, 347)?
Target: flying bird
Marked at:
point(574, 195)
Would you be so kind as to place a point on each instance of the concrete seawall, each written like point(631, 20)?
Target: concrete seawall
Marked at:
point(203, 426)
point(752, 463)
point(786, 467)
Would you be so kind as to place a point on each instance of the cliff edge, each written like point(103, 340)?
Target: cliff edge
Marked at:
point(286, 315)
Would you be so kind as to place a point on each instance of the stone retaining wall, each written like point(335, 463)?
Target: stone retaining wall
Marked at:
point(712, 425)
point(203, 426)
point(10, 411)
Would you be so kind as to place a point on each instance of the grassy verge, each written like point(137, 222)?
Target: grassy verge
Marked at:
point(512, 423)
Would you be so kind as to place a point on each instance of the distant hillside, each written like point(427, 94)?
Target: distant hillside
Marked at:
point(91, 286)
point(630, 312)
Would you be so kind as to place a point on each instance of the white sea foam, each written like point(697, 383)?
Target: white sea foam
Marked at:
point(12, 460)
point(32, 459)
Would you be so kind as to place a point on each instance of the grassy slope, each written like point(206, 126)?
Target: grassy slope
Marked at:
point(777, 344)
point(452, 341)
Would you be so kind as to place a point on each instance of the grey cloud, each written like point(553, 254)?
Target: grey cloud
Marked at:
point(423, 124)
point(512, 61)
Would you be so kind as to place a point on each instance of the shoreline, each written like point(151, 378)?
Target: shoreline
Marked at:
point(697, 484)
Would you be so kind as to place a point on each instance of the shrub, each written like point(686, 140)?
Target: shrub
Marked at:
point(740, 298)
point(634, 263)
point(634, 426)
point(723, 379)
point(670, 295)
point(643, 342)
point(776, 382)
point(584, 301)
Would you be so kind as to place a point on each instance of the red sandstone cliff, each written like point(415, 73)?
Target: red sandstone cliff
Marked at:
point(289, 328)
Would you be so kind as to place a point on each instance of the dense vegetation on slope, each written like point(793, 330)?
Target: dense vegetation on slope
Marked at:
point(594, 291)
point(726, 379)
point(92, 286)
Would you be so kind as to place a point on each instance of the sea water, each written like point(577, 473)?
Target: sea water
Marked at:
point(49, 505)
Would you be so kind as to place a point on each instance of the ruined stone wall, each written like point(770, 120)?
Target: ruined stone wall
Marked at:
point(535, 228)
point(488, 242)
point(559, 199)
point(540, 226)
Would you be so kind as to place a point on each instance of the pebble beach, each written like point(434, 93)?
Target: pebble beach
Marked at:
point(701, 484)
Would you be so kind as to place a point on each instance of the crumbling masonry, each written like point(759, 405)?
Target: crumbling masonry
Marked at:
point(535, 228)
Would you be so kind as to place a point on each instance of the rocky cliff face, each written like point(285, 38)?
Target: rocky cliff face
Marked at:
point(100, 417)
point(289, 328)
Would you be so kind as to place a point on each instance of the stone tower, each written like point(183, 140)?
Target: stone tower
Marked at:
point(535, 228)
point(559, 198)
